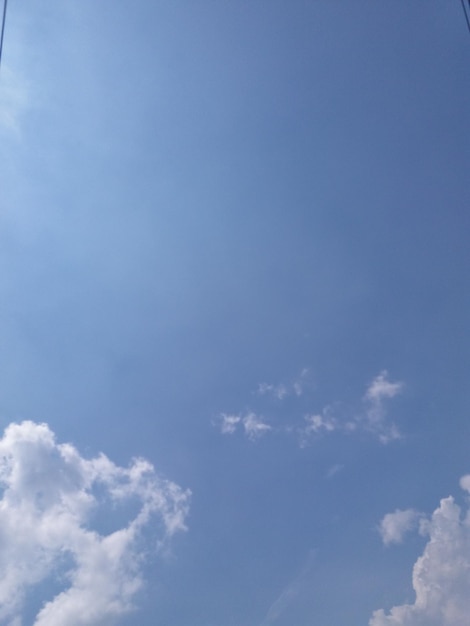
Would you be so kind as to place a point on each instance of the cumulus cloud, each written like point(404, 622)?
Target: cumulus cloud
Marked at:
point(441, 576)
point(51, 497)
point(394, 526)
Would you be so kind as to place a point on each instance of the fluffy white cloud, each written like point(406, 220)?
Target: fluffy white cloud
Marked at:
point(396, 525)
point(441, 576)
point(51, 496)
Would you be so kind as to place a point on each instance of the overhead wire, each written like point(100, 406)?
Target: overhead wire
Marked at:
point(464, 3)
point(5, 2)
point(466, 12)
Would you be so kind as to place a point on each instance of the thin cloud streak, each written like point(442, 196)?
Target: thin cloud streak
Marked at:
point(289, 593)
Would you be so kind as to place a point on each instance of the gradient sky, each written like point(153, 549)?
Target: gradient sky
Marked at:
point(234, 242)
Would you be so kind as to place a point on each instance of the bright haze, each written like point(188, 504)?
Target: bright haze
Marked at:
point(234, 313)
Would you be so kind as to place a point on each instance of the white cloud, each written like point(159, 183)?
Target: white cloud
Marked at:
point(320, 423)
point(254, 426)
point(278, 391)
point(50, 497)
point(229, 423)
point(333, 418)
point(381, 388)
point(394, 526)
point(441, 576)
point(375, 418)
point(465, 483)
point(282, 390)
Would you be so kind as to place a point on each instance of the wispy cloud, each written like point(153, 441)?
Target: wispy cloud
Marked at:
point(375, 418)
point(441, 575)
point(334, 469)
point(228, 423)
point(332, 418)
point(279, 391)
point(253, 425)
point(381, 387)
point(320, 423)
point(372, 418)
point(284, 389)
point(51, 495)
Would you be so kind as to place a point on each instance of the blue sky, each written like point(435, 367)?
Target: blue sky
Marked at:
point(234, 260)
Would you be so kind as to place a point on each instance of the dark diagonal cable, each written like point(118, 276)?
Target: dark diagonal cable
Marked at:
point(5, 2)
point(465, 10)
